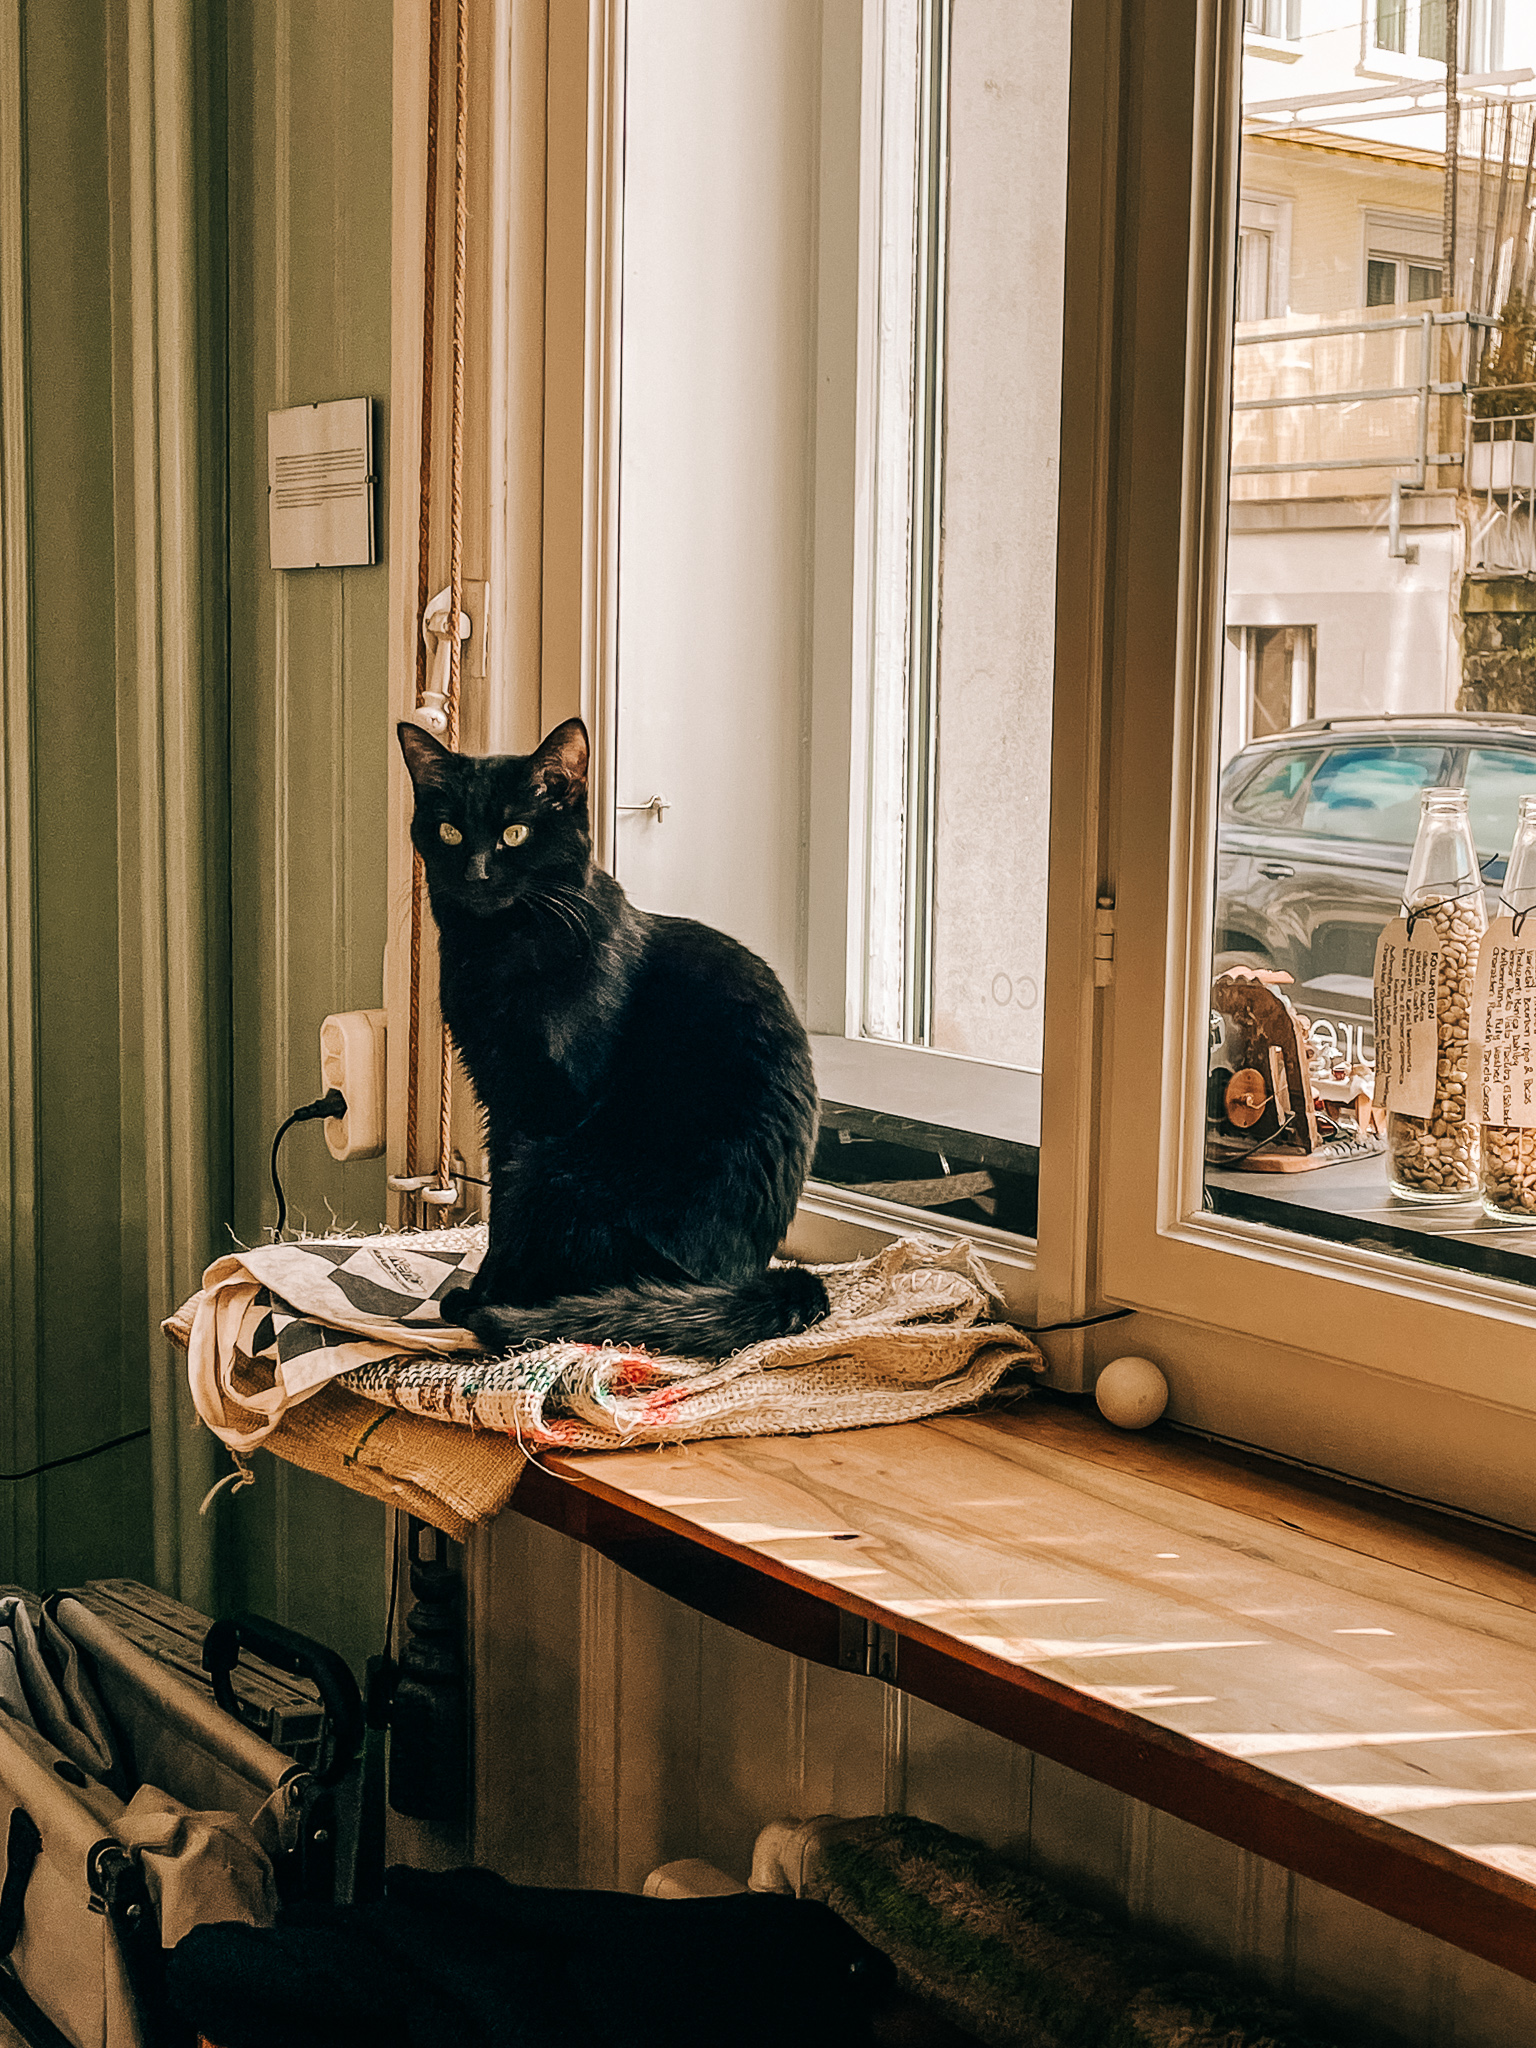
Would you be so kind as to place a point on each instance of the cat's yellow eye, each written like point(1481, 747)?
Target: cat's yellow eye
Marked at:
point(514, 835)
point(450, 835)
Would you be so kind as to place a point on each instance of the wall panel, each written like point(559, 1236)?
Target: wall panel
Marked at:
point(309, 186)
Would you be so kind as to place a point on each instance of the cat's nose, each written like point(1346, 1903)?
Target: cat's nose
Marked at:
point(479, 869)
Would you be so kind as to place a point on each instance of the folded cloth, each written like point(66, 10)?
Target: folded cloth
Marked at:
point(910, 1332)
point(464, 1956)
point(275, 1323)
point(44, 1685)
point(200, 1867)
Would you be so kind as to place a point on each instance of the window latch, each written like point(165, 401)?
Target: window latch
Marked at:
point(1104, 942)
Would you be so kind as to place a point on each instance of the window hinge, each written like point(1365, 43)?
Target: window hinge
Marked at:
point(1104, 942)
point(866, 1647)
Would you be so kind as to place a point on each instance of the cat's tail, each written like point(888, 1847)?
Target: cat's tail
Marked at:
point(689, 1319)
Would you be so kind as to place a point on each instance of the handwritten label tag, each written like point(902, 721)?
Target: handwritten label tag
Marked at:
point(1502, 1077)
point(1407, 1038)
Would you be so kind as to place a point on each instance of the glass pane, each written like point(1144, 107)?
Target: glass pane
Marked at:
point(1371, 793)
point(1253, 257)
point(1270, 795)
point(1432, 26)
point(1391, 24)
point(927, 1005)
point(1497, 778)
point(969, 393)
point(1382, 503)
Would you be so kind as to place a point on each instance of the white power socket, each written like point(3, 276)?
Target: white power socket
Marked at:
point(352, 1059)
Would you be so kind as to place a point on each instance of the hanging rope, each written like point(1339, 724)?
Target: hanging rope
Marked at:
point(412, 1183)
point(423, 570)
point(456, 503)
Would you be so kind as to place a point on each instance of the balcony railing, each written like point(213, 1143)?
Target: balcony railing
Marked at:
point(1353, 395)
point(1501, 485)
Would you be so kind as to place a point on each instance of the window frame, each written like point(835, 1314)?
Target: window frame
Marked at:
point(1278, 1295)
point(1276, 1341)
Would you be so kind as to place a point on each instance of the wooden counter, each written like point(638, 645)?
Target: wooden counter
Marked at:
point(1343, 1686)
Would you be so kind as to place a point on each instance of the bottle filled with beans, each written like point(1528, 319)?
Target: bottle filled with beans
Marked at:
point(1509, 1149)
point(1438, 1158)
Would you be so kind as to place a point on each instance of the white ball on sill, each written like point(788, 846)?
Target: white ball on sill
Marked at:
point(1131, 1393)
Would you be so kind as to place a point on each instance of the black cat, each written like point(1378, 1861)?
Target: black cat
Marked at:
point(649, 1101)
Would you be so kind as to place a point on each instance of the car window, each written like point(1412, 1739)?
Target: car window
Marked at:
point(1267, 797)
point(1371, 792)
point(1497, 778)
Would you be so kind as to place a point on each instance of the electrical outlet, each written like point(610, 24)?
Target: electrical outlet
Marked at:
point(352, 1059)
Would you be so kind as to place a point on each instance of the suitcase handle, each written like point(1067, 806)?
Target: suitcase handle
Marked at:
point(301, 1657)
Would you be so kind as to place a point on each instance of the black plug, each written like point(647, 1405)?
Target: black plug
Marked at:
point(332, 1103)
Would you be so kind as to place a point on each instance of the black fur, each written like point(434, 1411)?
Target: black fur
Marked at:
point(648, 1094)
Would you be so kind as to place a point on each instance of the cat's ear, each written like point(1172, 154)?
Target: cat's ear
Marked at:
point(430, 762)
point(560, 764)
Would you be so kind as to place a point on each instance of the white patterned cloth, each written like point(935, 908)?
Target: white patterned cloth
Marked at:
point(911, 1332)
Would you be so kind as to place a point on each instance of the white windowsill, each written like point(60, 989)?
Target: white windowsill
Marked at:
point(1274, 48)
point(930, 1087)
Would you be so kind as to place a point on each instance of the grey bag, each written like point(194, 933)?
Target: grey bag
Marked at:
point(134, 1806)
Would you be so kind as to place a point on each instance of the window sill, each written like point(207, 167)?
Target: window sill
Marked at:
point(1224, 1641)
point(1401, 67)
point(1273, 48)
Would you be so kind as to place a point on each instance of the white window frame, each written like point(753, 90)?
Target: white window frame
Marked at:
point(924, 1083)
point(1419, 1379)
point(1413, 1376)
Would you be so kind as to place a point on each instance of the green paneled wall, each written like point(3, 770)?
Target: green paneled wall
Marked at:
point(309, 269)
point(294, 106)
point(90, 1364)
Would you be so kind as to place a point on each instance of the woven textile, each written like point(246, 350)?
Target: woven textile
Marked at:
point(274, 1324)
point(910, 1333)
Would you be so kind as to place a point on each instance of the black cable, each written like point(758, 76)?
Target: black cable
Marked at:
point(388, 1650)
point(74, 1458)
point(332, 1103)
point(1110, 1315)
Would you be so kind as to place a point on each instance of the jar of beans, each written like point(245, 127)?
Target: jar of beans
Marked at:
point(1436, 1158)
point(1509, 1150)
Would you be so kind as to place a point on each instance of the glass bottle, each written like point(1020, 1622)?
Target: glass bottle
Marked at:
point(1509, 1151)
point(1436, 1158)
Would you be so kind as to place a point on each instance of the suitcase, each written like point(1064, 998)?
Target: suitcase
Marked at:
point(123, 1750)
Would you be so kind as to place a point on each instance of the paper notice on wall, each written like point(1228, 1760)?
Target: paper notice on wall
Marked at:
point(1407, 977)
point(1503, 1026)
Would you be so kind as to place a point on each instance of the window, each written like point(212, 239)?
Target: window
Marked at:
point(1399, 281)
point(1496, 779)
point(1417, 28)
point(1340, 441)
point(955, 794)
point(1269, 793)
point(1322, 1318)
point(1279, 678)
point(894, 871)
point(1263, 256)
point(1278, 18)
point(1391, 24)
point(1371, 792)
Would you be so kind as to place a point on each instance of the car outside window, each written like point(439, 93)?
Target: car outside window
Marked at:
point(1268, 797)
point(1371, 793)
point(1497, 778)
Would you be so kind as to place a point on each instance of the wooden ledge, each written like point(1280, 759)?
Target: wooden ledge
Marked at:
point(1342, 1686)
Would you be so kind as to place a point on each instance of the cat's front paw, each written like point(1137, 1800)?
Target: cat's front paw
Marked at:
point(458, 1306)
